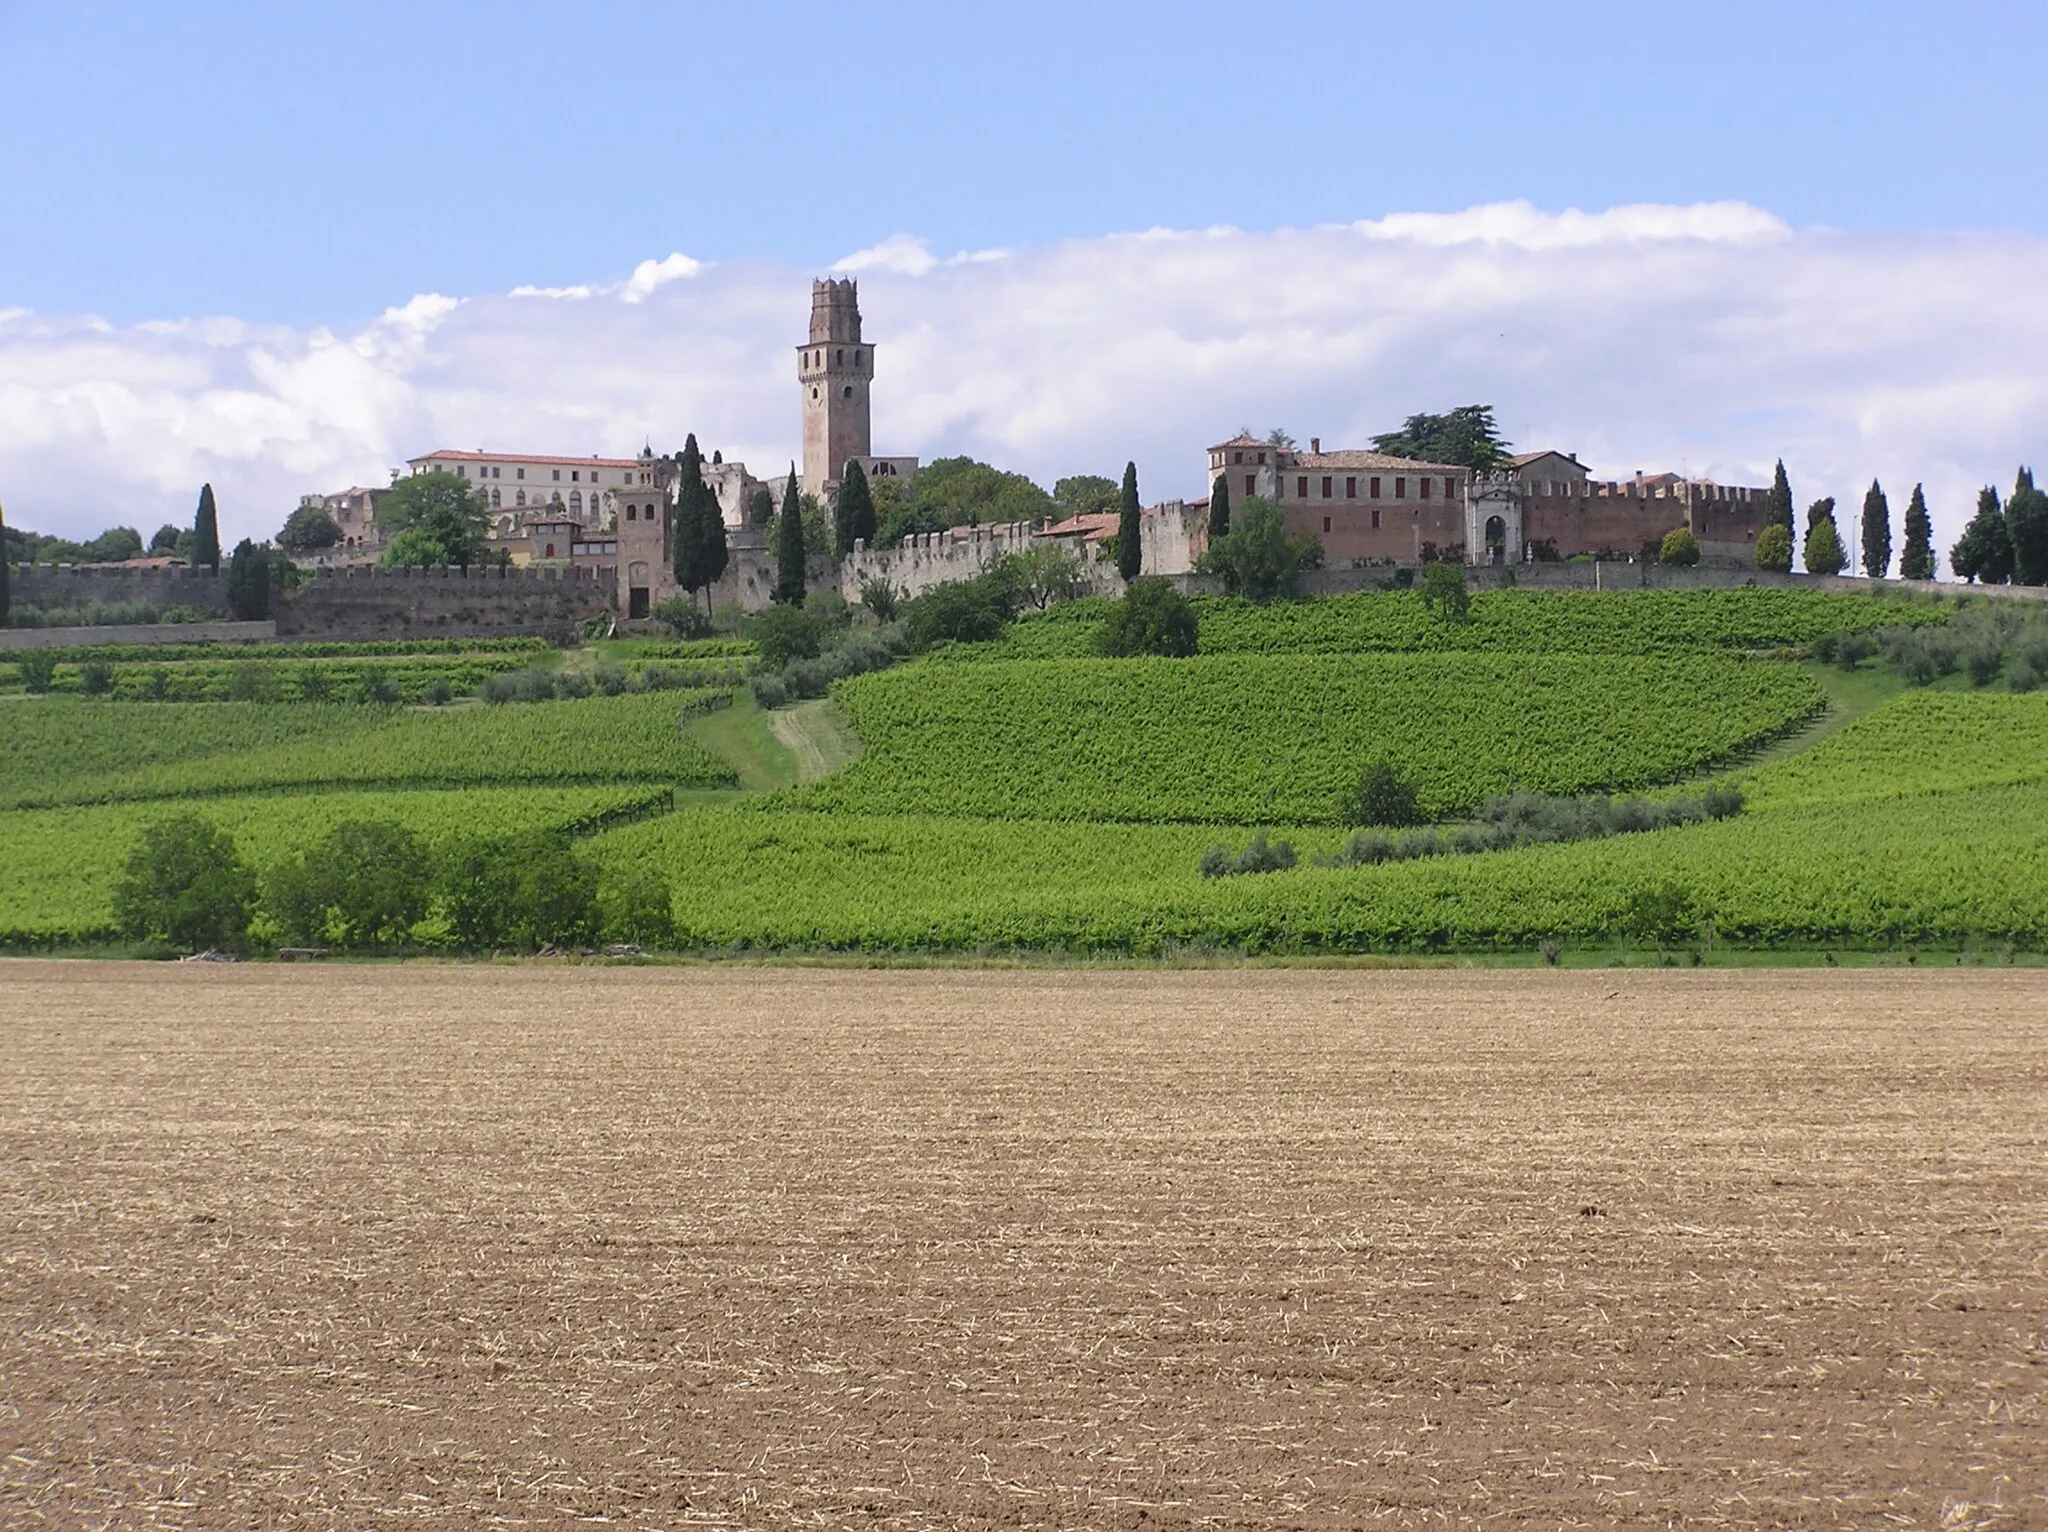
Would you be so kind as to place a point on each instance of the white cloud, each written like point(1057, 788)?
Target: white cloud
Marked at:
point(1710, 338)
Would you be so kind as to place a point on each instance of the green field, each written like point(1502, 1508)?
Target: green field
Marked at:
point(1247, 739)
point(61, 862)
point(1026, 796)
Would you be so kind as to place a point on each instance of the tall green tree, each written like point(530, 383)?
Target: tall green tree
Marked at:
point(715, 552)
point(1877, 532)
point(1984, 551)
point(1255, 558)
point(762, 510)
point(1219, 507)
point(436, 520)
point(686, 533)
point(185, 884)
point(306, 530)
point(1778, 504)
point(853, 514)
point(1916, 559)
point(2026, 521)
point(1774, 549)
point(206, 532)
point(789, 545)
point(1466, 437)
point(1821, 510)
point(6, 569)
point(249, 582)
point(1129, 548)
point(1824, 552)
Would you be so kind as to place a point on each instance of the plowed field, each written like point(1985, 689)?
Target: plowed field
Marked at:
point(710, 1247)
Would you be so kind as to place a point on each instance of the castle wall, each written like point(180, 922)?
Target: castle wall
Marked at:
point(443, 603)
point(1592, 517)
point(66, 585)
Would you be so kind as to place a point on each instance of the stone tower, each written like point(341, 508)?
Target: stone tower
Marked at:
point(835, 367)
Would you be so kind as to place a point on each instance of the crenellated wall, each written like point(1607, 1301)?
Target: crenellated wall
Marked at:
point(68, 585)
point(444, 603)
point(1589, 517)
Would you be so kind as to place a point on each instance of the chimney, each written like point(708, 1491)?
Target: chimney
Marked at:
point(1315, 445)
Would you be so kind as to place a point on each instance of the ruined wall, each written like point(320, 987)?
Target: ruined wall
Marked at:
point(443, 603)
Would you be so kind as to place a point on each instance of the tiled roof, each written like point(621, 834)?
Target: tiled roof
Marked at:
point(1089, 527)
point(1381, 460)
point(450, 455)
point(1240, 441)
point(1524, 459)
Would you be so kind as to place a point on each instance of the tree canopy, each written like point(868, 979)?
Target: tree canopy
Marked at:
point(1877, 532)
point(1255, 558)
point(1086, 494)
point(1984, 551)
point(853, 514)
point(1466, 437)
point(2026, 522)
point(1916, 559)
point(306, 530)
point(436, 519)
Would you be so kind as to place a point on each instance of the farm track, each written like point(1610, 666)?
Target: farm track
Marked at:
point(714, 1247)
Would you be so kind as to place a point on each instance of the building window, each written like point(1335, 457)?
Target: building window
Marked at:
point(1422, 488)
point(576, 501)
point(1375, 518)
point(521, 472)
point(575, 475)
point(558, 475)
point(521, 500)
point(1326, 486)
point(632, 513)
point(1351, 489)
point(497, 498)
point(1400, 489)
point(839, 358)
point(1375, 488)
point(1301, 487)
point(551, 551)
point(1237, 457)
point(846, 392)
point(1450, 488)
point(1326, 523)
point(1262, 457)
point(1251, 484)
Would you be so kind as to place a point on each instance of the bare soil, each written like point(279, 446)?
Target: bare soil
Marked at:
point(360, 1247)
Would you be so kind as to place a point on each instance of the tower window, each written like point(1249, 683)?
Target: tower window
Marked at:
point(839, 358)
point(1375, 518)
point(846, 392)
point(1251, 484)
point(1326, 523)
point(814, 393)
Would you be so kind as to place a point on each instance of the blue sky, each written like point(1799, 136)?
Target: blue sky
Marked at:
point(283, 247)
point(313, 162)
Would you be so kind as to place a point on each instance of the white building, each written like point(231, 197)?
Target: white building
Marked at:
point(585, 488)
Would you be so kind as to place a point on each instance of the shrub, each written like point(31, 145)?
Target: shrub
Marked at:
point(1383, 797)
point(1444, 593)
point(1680, 548)
point(534, 683)
point(963, 611)
point(1661, 912)
point(637, 909)
point(683, 617)
point(525, 891)
point(1152, 618)
point(2023, 677)
point(437, 692)
point(1261, 855)
point(156, 685)
point(367, 884)
point(1774, 549)
point(185, 884)
point(1255, 558)
point(250, 681)
point(610, 678)
point(1824, 552)
point(97, 677)
point(786, 632)
point(854, 655)
point(37, 669)
point(374, 686)
point(573, 683)
point(879, 597)
point(314, 684)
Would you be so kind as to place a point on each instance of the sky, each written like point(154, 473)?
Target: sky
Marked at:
point(283, 248)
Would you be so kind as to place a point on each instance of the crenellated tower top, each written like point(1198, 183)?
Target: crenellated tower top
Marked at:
point(834, 368)
point(835, 311)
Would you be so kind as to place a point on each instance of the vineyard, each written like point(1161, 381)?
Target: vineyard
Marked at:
point(1249, 739)
point(1505, 621)
point(1024, 794)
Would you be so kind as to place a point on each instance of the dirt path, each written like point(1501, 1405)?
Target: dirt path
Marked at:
point(817, 734)
point(480, 1245)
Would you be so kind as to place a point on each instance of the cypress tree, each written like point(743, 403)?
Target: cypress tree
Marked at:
point(853, 516)
point(1877, 532)
point(688, 528)
point(206, 532)
point(1916, 559)
point(713, 554)
point(249, 582)
point(1984, 551)
point(2026, 520)
point(1778, 506)
point(1219, 507)
point(789, 546)
point(6, 569)
point(762, 511)
point(1129, 549)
